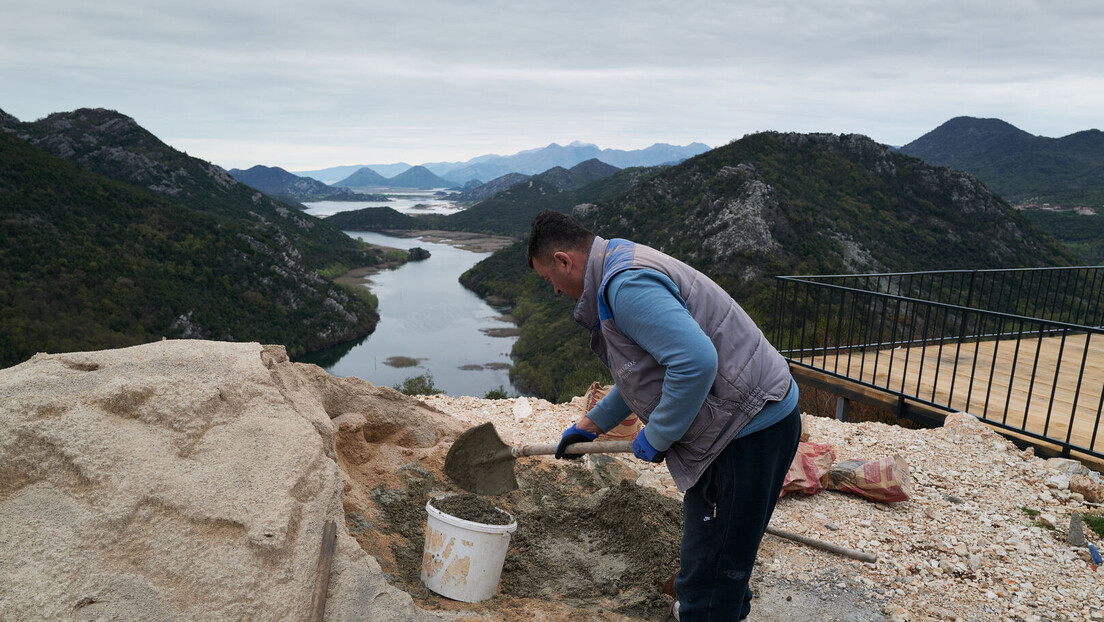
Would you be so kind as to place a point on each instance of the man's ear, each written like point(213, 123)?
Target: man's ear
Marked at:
point(563, 259)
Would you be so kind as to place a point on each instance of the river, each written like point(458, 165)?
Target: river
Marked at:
point(428, 321)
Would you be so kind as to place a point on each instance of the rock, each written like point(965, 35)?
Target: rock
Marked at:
point(522, 409)
point(1076, 535)
point(183, 480)
point(1087, 486)
point(1059, 481)
point(1066, 466)
point(1048, 520)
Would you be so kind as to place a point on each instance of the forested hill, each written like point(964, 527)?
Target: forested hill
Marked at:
point(775, 203)
point(766, 205)
point(171, 247)
point(1021, 167)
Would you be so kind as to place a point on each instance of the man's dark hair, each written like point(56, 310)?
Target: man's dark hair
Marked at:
point(552, 231)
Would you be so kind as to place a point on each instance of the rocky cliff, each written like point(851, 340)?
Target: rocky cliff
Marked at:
point(187, 480)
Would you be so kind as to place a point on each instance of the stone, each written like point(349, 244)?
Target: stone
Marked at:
point(1066, 466)
point(184, 480)
point(522, 409)
point(1076, 535)
point(1059, 481)
point(1087, 486)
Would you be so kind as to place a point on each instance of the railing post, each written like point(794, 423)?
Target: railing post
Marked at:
point(842, 406)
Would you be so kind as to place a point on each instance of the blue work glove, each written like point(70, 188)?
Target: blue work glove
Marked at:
point(571, 436)
point(643, 449)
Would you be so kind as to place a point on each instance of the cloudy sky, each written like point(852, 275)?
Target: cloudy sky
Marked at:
point(306, 85)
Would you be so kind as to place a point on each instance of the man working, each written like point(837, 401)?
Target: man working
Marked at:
point(717, 399)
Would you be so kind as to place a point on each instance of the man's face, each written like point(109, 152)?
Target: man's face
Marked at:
point(564, 271)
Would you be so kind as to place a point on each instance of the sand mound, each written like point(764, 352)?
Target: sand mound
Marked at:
point(190, 480)
point(187, 480)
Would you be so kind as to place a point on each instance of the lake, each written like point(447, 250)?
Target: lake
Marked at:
point(429, 320)
point(413, 202)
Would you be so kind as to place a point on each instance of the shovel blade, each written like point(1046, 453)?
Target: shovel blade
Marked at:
point(480, 462)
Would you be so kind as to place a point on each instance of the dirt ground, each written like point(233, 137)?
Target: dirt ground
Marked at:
point(591, 544)
point(579, 545)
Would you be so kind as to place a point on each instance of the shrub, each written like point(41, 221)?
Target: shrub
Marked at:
point(418, 385)
point(496, 394)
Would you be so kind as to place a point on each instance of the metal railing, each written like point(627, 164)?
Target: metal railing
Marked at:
point(1021, 349)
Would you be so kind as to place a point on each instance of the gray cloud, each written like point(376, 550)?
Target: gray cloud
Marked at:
point(306, 85)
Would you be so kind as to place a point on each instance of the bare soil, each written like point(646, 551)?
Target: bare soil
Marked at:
point(581, 544)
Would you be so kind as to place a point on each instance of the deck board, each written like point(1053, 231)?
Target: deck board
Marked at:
point(1004, 387)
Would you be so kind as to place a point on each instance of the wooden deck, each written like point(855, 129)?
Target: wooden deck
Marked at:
point(1030, 384)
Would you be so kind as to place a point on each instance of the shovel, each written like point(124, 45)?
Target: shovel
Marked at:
point(480, 462)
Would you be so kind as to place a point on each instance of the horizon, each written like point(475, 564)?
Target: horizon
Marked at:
point(308, 86)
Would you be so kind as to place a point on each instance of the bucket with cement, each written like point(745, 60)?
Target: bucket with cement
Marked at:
point(462, 559)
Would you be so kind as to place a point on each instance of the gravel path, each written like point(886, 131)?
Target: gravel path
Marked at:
point(983, 536)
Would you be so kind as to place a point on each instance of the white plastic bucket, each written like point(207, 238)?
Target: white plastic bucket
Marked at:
point(462, 560)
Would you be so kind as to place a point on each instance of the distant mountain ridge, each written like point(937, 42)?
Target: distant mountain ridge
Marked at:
point(1021, 167)
point(418, 177)
point(533, 161)
point(275, 181)
point(363, 178)
point(505, 205)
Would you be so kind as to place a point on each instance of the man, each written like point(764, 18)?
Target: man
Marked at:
point(718, 401)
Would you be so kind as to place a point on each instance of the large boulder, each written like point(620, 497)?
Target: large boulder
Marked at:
point(186, 480)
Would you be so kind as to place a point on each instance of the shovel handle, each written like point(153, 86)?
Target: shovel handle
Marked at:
point(597, 447)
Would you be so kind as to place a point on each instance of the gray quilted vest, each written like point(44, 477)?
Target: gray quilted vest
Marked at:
point(750, 372)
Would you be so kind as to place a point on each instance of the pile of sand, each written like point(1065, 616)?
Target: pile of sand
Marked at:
point(191, 480)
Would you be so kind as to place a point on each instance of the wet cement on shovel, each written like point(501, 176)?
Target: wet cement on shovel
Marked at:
point(479, 461)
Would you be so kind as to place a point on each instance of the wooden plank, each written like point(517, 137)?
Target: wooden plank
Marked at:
point(322, 573)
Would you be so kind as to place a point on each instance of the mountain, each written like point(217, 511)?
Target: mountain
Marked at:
point(1021, 167)
point(535, 161)
point(418, 177)
point(277, 182)
point(491, 188)
point(335, 174)
point(822, 204)
point(363, 178)
point(765, 205)
point(528, 162)
point(579, 175)
point(112, 238)
point(506, 212)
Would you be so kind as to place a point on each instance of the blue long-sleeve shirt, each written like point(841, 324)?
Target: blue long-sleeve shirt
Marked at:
point(647, 311)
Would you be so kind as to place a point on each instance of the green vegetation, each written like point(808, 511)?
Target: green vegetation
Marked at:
point(552, 356)
point(769, 204)
point(418, 385)
point(400, 361)
point(496, 394)
point(88, 262)
point(1095, 522)
point(1083, 235)
point(380, 219)
point(1020, 167)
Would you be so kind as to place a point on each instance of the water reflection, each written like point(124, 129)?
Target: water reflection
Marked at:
point(426, 315)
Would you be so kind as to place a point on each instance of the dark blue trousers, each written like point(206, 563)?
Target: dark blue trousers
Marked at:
point(725, 515)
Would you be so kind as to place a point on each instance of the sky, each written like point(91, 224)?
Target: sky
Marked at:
point(309, 85)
